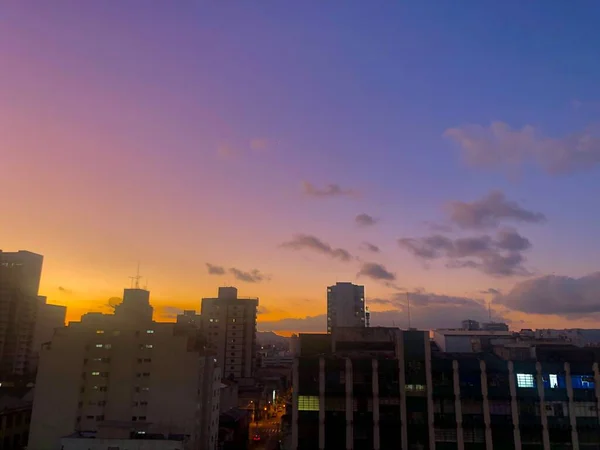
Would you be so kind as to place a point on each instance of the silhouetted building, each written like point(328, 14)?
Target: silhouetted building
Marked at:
point(229, 324)
point(494, 326)
point(20, 274)
point(389, 390)
point(345, 306)
point(114, 378)
point(470, 325)
point(48, 318)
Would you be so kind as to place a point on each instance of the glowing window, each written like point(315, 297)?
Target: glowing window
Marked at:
point(99, 345)
point(525, 380)
point(99, 331)
point(150, 331)
point(95, 374)
point(148, 345)
point(308, 403)
point(553, 381)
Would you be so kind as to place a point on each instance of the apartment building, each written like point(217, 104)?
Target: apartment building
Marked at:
point(20, 274)
point(229, 326)
point(385, 389)
point(345, 306)
point(47, 319)
point(123, 377)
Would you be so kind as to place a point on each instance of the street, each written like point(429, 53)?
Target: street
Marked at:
point(268, 430)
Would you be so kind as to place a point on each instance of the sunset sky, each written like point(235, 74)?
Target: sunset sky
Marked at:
point(450, 150)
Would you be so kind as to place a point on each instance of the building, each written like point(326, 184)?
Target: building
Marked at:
point(15, 416)
point(190, 318)
point(470, 325)
point(277, 359)
point(345, 306)
point(392, 389)
point(453, 340)
point(48, 318)
point(123, 377)
point(494, 326)
point(229, 325)
point(20, 274)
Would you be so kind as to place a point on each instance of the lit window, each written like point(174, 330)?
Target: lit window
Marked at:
point(95, 374)
point(150, 331)
point(107, 346)
point(553, 381)
point(99, 331)
point(308, 403)
point(415, 387)
point(99, 345)
point(148, 345)
point(210, 320)
point(525, 380)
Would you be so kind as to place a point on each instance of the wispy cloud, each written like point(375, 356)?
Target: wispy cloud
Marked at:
point(215, 270)
point(370, 247)
point(331, 190)
point(376, 271)
point(499, 145)
point(65, 290)
point(308, 242)
point(253, 276)
point(365, 220)
point(490, 211)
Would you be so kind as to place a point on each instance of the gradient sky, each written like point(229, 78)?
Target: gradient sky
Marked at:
point(184, 133)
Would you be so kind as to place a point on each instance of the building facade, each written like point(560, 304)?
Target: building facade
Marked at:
point(345, 306)
point(48, 319)
point(384, 390)
point(20, 274)
point(123, 377)
point(229, 326)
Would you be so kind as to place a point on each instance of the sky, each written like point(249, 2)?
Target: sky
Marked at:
point(445, 150)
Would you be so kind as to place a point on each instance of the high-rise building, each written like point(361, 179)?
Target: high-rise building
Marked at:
point(48, 318)
point(116, 380)
point(20, 274)
point(229, 326)
point(345, 306)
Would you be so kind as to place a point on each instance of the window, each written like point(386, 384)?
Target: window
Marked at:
point(525, 380)
point(150, 331)
point(445, 435)
point(415, 387)
point(148, 345)
point(308, 403)
point(99, 345)
point(583, 381)
point(107, 346)
point(99, 331)
point(95, 374)
point(585, 409)
point(553, 381)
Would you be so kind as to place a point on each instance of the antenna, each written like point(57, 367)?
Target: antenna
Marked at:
point(136, 279)
point(408, 308)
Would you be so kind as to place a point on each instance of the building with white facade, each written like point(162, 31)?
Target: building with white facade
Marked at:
point(123, 377)
point(229, 326)
point(345, 306)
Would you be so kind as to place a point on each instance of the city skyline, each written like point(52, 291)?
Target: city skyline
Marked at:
point(445, 152)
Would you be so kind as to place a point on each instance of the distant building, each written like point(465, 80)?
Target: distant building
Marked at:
point(229, 325)
point(470, 325)
point(111, 380)
point(495, 326)
point(190, 318)
point(48, 318)
point(20, 274)
point(345, 306)
point(468, 341)
point(15, 417)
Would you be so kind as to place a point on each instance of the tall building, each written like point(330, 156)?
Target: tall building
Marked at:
point(20, 274)
point(389, 389)
point(229, 325)
point(48, 319)
point(115, 381)
point(345, 306)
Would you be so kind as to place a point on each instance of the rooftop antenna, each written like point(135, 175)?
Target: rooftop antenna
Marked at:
point(136, 280)
point(408, 308)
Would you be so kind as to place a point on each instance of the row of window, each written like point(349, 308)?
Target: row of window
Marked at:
point(555, 381)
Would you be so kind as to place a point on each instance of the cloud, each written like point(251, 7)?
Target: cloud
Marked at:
point(331, 190)
point(376, 272)
point(370, 247)
point(489, 211)
point(262, 310)
point(500, 145)
point(438, 227)
point(555, 294)
point(168, 312)
point(253, 276)
point(260, 144)
point(65, 290)
point(427, 311)
point(491, 291)
point(215, 270)
point(365, 220)
point(308, 242)
point(500, 256)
